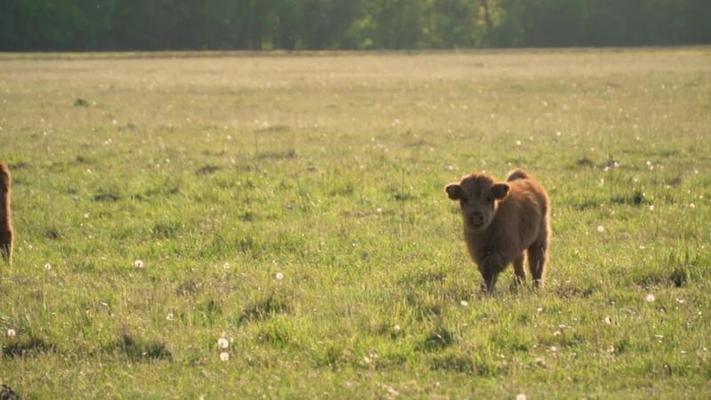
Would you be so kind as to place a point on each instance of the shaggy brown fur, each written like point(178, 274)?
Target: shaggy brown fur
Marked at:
point(6, 233)
point(502, 221)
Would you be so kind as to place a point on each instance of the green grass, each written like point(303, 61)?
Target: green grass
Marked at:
point(220, 172)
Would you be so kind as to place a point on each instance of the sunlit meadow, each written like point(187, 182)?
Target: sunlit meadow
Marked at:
point(237, 225)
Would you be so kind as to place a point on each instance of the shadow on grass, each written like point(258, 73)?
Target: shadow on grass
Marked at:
point(264, 309)
point(137, 349)
point(466, 364)
point(27, 347)
point(439, 339)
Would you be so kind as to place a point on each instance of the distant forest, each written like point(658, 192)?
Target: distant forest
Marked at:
point(77, 25)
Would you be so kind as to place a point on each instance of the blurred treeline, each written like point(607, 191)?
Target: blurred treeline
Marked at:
point(347, 24)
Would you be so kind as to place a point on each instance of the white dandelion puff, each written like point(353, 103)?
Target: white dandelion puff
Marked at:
point(396, 328)
point(608, 321)
point(600, 228)
point(170, 317)
point(11, 333)
point(692, 205)
point(649, 298)
point(139, 264)
point(225, 356)
point(279, 276)
point(464, 303)
point(223, 343)
point(48, 266)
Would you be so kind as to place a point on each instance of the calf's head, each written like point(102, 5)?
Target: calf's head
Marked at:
point(478, 197)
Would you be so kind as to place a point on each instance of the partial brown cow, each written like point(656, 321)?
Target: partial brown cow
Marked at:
point(504, 221)
point(6, 233)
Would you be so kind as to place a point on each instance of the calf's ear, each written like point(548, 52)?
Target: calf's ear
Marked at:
point(500, 191)
point(454, 191)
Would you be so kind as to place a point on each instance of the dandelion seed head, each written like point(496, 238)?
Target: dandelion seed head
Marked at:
point(279, 276)
point(464, 303)
point(225, 356)
point(11, 333)
point(139, 264)
point(608, 320)
point(223, 343)
point(649, 298)
point(170, 317)
point(600, 228)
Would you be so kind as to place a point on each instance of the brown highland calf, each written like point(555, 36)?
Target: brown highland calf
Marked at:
point(502, 221)
point(6, 233)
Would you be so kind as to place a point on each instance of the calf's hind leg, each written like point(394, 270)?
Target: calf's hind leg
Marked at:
point(520, 277)
point(537, 259)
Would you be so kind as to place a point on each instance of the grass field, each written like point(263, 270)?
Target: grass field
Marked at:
point(294, 205)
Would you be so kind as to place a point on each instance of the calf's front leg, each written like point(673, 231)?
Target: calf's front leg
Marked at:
point(490, 268)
